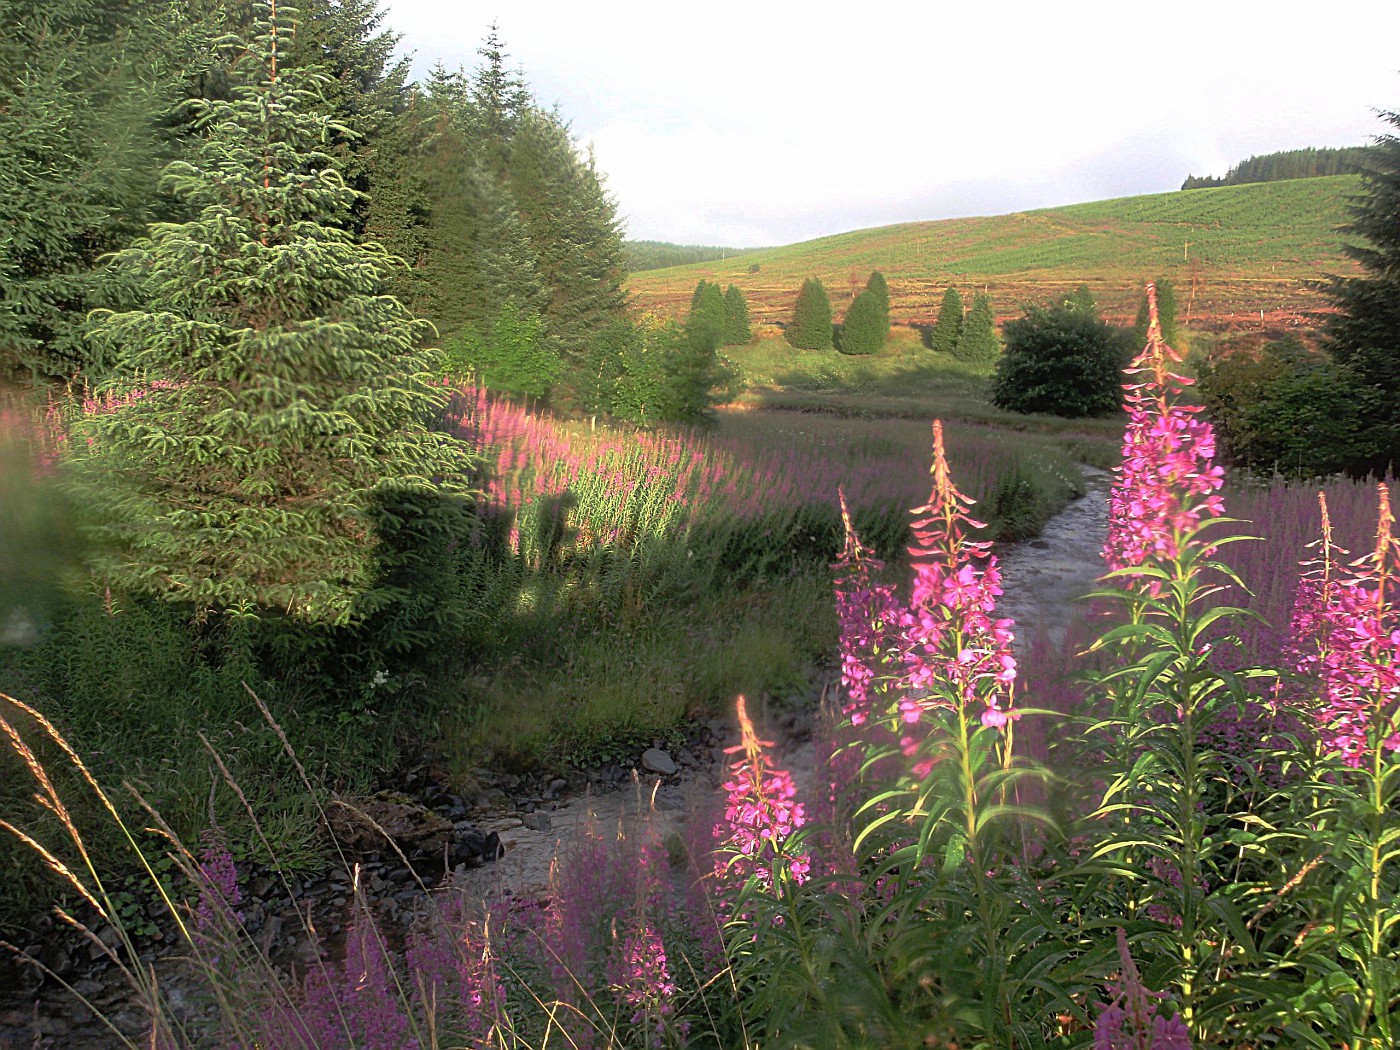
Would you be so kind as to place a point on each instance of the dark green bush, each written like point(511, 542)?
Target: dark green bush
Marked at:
point(1062, 360)
point(1289, 410)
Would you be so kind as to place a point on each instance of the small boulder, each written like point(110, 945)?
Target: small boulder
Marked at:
point(657, 761)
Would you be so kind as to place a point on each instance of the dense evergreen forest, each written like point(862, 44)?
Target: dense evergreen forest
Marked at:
point(511, 244)
point(657, 255)
point(1288, 164)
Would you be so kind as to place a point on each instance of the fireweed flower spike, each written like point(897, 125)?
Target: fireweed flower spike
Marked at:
point(1167, 481)
point(1132, 1019)
point(1350, 639)
point(760, 815)
point(955, 652)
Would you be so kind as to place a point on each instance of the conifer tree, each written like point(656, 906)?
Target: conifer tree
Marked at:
point(1365, 335)
point(84, 87)
point(948, 327)
point(573, 225)
point(704, 326)
point(268, 395)
point(877, 286)
point(810, 328)
point(861, 331)
point(736, 317)
point(978, 342)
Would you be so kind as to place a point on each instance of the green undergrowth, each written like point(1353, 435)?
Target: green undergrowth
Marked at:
point(584, 695)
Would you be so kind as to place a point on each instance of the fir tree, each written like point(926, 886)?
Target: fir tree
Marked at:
point(810, 328)
point(84, 89)
point(862, 332)
point(572, 224)
point(704, 325)
point(736, 317)
point(978, 342)
point(1365, 335)
point(269, 396)
point(948, 327)
point(877, 287)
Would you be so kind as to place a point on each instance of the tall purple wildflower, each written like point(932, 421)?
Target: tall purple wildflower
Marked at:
point(1167, 482)
point(760, 816)
point(353, 1005)
point(219, 895)
point(641, 978)
point(1346, 635)
point(956, 653)
point(1132, 1020)
point(451, 957)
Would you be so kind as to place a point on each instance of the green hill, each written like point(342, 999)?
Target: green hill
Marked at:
point(1242, 248)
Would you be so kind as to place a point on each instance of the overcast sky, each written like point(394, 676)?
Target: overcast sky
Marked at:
point(771, 121)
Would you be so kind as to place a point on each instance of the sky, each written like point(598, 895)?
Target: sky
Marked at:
point(773, 122)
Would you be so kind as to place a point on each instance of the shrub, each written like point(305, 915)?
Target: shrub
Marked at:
point(1061, 360)
point(1289, 410)
point(878, 287)
point(810, 328)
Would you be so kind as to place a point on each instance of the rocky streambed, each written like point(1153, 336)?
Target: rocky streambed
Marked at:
point(499, 840)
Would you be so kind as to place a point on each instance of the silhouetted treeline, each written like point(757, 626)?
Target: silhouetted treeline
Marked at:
point(657, 255)
point(1288, 164)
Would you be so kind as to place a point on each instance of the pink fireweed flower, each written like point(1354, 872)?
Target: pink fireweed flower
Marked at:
point(1346, 634)
point(760, 815)
point(1167, 482)
point(955, 652)
point(219, 895)
point(1133, 1020)
point(641, 978)
point(867, 613)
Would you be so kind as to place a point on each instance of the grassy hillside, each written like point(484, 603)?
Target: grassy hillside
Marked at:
point(1232, 251)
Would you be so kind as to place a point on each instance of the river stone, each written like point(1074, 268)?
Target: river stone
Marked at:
point(657, 761)
point(412, 826)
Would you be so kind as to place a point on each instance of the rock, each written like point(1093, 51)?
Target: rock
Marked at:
point(557, 787)
point(537, 821)
point(413, 827)
point(685, 758)
point(657, 761)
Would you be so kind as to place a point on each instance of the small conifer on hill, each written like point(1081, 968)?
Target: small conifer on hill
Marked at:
point(878, 287)
point(863, 332)
point(948, 327)
point(736, 317)
point(810, 328)
point(978, 342)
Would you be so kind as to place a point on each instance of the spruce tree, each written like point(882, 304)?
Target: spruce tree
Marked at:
point(948, 327)
point(704, 325)
point(862, 331)
point(269, 397)
point(85, 87)
point(877, 287)
point(736, 317)
point(1365, 335)
point(978, 342)
point(810, 328)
